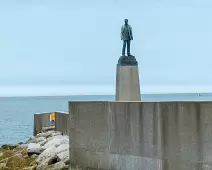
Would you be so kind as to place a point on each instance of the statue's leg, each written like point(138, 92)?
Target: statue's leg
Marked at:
point(128, 47)
point(124, 46)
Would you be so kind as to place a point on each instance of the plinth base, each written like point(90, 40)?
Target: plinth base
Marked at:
point(127, 61)
point(127, 84)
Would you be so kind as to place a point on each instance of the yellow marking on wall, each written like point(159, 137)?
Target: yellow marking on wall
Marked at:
point(52, 117)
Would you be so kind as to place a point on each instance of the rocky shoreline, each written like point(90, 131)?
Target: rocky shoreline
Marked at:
point(46, 151)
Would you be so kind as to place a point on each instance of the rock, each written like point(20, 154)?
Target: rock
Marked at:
point(49, 128)
point(55, 137)
point(41, 135)
point(47, 161)
point(56, 166)
point(9, 146)
point(43, 164)
point(30, 139)
point(2, 165)
point(34, 156)
point(40, 139)
point(22, 146)
point(34, 148)
point(56, 134)
point(62, 147)
point(30, 168)
point(67, 162)
point(42, 143)
point(36, 140)
point(46, 134)
point(64, 156)
point(56, 142)
point(48, 153)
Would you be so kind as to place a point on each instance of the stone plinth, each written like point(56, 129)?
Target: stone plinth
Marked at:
point(127, 79)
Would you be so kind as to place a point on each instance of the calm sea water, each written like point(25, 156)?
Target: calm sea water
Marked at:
point(16, 113)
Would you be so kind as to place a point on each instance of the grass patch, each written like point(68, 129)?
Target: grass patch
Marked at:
point(18, 162)
point(14, 162)
point(5, 154)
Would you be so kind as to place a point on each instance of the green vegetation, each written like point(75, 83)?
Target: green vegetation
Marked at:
point(15, 159)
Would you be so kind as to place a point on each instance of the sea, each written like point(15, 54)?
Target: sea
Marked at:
point(16, 113)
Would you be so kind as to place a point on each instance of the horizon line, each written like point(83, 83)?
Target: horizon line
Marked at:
point(102, 94)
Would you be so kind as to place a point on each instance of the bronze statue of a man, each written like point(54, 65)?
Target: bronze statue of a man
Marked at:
point(126, 36)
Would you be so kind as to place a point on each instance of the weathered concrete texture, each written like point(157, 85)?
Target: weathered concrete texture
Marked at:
point(140, 135)
point(61, 123)
point(41, 120)
point(127, 84)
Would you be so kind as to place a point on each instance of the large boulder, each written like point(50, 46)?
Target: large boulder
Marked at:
point(63, 156)
point(56, 142)
point(43, 165)
point(56, 134)
point(56, 166)
point(43, 142)
point(54, 137)
point(34, 148)
point(62, 148)
point(36, 139)
point(48, 153)
point(34, 156)
point(45, 134)
point(48, 161)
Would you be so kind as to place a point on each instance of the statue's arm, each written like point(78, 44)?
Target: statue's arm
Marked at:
point(131, 32)
point(122, 33)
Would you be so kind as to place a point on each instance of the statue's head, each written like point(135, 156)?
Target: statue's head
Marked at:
point(126, 21)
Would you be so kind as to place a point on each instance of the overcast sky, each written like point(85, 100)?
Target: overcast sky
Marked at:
point(66, 46)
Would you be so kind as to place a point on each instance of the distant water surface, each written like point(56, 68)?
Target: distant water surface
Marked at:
point(16, 113)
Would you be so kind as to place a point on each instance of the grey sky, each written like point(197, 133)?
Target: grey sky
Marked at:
point(77, 44)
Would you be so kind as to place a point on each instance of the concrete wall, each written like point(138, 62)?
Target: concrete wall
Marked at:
point(127, 83)
point(41, 120)
point(141, 136)
point(61, 122)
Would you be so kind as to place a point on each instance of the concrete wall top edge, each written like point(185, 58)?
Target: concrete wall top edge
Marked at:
point(42, 113)
point(70, 102)
point(61, 112)
point(89, 102)
point(51, 112)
